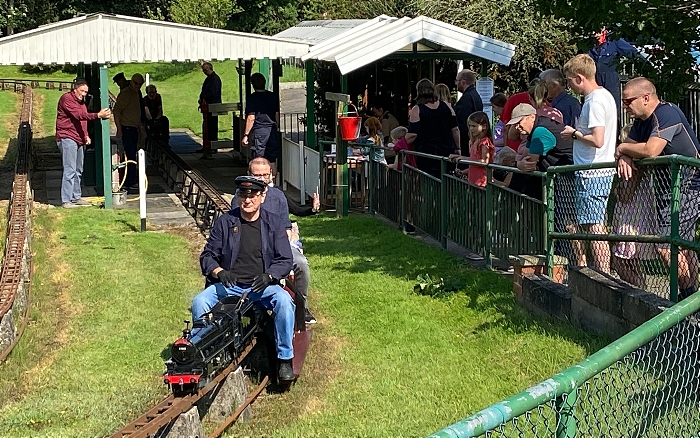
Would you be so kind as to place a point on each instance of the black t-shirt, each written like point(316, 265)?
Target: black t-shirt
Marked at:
point(667, 122)
point(249, 263)
point(263, 103)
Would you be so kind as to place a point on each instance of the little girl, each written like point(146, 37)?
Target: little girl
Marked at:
point(373, 127)
point(481, 147)
point(398, 134)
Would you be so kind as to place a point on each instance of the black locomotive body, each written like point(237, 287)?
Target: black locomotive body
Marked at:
point(210, 346)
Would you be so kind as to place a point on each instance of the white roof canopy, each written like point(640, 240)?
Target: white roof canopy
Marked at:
point(383, 36)
point(107, 38)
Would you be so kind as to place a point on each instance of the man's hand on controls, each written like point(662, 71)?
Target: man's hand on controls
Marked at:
point(227, 278)
point(261, 282)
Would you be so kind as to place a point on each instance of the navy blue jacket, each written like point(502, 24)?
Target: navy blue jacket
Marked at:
point(469, 103)
point(211, 89)
point(224, 242)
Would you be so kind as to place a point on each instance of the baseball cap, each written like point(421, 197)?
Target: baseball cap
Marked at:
point(520, 111)
point(137, 78)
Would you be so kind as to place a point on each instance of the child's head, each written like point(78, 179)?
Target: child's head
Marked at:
point(498, 101)
point(373, 126)
point(479, 125)
point(625, 132)
point(443, 93)
point(505, 157)
point(398, 133)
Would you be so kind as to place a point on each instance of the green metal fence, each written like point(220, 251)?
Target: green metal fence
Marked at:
point(646, 232)
point(492, 221)
point(647, 383)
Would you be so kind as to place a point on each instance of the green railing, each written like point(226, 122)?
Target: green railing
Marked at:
point(647, 383)
point(492, 221)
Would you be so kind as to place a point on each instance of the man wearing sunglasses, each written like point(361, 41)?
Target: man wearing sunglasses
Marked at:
point(248, 252)
point(661, 128)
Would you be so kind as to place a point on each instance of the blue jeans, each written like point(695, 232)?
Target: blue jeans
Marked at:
point(72, 156)
point(302, 273)
point(272, 298)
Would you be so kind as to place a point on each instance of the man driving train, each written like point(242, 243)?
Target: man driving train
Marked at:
point(248, 251)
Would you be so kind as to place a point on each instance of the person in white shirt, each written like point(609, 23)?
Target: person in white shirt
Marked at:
point(594, 142)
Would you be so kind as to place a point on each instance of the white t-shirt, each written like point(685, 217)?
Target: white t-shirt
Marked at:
point(598, 109)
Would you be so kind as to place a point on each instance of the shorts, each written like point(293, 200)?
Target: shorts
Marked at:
point(688, 213)
point(591, 191)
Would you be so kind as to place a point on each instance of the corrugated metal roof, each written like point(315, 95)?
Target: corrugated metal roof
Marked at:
point(317, 31)
point(383, 36)
point(107, 38)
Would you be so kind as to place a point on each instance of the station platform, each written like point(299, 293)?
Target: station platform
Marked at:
point(163, 207)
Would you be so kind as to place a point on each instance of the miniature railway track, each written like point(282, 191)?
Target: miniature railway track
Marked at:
point(16, 263)
point(197, 195)
point(165, 412)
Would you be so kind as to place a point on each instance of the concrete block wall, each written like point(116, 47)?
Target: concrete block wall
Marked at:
point(592, 301)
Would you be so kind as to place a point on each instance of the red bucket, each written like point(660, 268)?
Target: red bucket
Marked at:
point(350, 125)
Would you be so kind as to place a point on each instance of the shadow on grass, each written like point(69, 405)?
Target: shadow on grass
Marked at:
point(373, 246)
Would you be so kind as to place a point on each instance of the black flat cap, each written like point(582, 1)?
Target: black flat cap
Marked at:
point(249, 184)
point(119, 76)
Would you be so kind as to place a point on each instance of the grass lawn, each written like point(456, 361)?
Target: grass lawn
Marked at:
point(384, 361)
point(10, 104)
point(178, 83)
point(105, 303)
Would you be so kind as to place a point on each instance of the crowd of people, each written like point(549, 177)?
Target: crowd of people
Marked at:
point(547, 125)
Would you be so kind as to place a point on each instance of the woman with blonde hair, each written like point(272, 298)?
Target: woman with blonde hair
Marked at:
point(443, 94)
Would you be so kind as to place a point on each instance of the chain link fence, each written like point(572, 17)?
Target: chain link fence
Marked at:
point(629, 228)
point(646, 383)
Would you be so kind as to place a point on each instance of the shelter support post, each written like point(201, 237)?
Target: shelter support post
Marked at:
point(341, 161)
point(310, 106)
point(264, 68)
point(343, 152)
point(106, 148)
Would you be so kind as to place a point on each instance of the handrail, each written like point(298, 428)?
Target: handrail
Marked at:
point(568, 380)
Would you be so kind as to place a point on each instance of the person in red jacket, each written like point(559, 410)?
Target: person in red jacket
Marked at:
point(72, 138)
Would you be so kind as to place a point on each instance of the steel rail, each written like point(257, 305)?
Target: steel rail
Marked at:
point(15, 271)
point(165, 412)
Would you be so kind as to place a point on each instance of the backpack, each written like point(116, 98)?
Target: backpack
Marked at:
point(563, 152)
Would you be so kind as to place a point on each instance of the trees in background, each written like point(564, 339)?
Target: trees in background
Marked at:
point(546, 32)
point(667, 29)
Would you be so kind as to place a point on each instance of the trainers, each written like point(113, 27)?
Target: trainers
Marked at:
point(309, 318)
point(81, 201)
point(69, 205)
point(286, 373)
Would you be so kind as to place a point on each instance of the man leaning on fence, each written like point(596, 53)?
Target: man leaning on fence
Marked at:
point(594, 142)
point(660, 128)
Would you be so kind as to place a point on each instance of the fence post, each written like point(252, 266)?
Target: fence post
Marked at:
point(443, 204)
point(488, 234)
point(372, 183)
point(566, 420)
point(402, 194)
point(549, 221)
point(675, 225)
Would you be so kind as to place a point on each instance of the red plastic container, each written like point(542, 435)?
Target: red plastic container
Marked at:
point(350, 125)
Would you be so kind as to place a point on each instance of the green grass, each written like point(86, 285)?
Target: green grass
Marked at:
point(387, 362)
point(178, 83)
point(105, 303)
point(383, 361)
point(9, 109)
